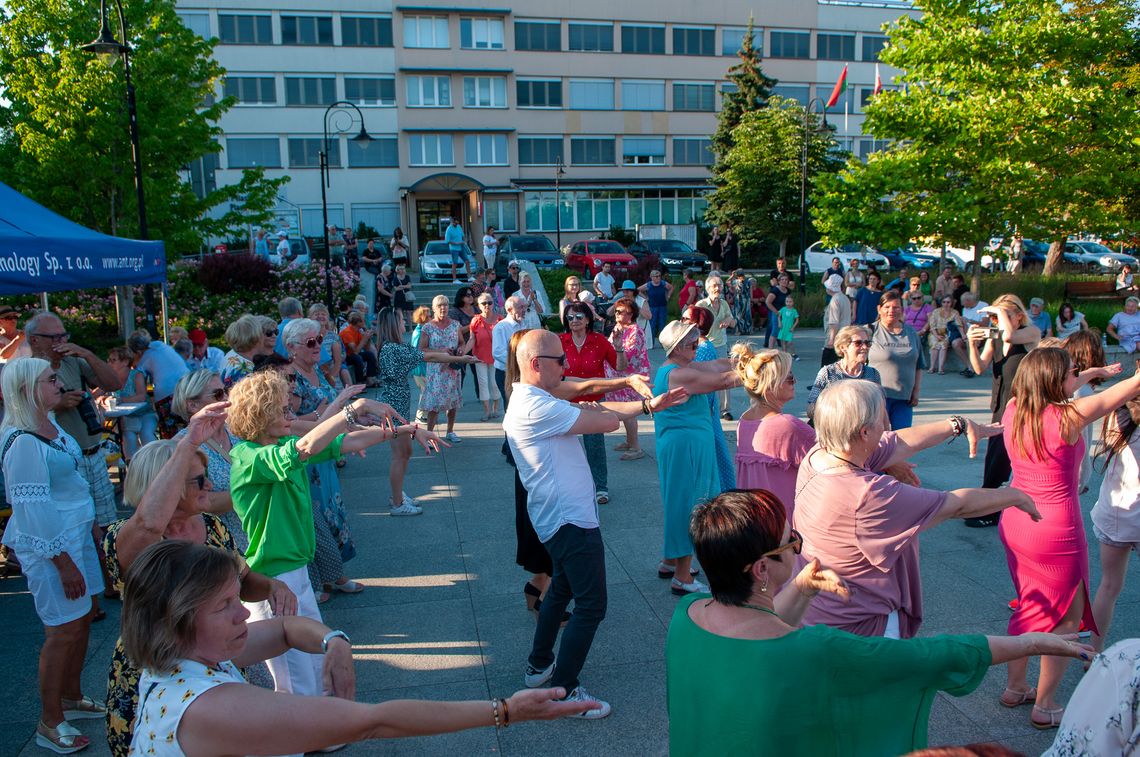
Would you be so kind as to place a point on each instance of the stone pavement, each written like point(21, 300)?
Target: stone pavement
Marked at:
point(443, 616)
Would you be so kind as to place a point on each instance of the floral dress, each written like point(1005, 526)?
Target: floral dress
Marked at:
point(937, 323)
point(637, 363)
point(234, 368)
point(398, 361)
point(442, 392)
point(218, 474)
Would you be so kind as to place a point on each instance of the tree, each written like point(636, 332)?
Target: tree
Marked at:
point(749, 92)
point(762, 173)
point(1014, 115)
point(64, 136)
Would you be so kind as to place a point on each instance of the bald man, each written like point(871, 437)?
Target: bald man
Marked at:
point(542, 431)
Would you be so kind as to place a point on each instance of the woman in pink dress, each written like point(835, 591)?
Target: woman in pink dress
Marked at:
point(628, 339)
point(769, 460)
point(1049, 559)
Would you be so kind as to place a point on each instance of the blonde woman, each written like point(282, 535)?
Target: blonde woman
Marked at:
point(246, 342)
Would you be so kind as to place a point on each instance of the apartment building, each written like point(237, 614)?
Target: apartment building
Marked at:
point(537, 118)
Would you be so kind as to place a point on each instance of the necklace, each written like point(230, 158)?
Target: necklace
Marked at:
point(853, 465)
point(761, 609)
point(577, 343)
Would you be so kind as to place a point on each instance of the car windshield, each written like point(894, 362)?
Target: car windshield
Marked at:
point(436, 248)
point(669, 245)
point(855, 249)
point(605, 248)
point(532, 244)
point(1038, 248)
point(1096, 248)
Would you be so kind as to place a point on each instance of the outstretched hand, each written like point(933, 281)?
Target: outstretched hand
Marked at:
point(347, 394)
point(670, 398)
point(815, 578)
point(545, 704)
point(975, 432)
point(1024, 503)
point(640, 384)
point(1060, 645)
point(429, 440)
point(206, 422)
point(1102, 372)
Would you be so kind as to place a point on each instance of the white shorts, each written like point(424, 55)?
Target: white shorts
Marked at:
point(53, 608)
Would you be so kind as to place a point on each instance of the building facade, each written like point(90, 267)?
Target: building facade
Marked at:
point(525, 118)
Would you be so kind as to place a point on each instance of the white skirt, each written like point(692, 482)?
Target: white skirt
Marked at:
point(44, 583)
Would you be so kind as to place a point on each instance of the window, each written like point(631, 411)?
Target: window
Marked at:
point(430, 150)
point(310, 91)
point(381, 216)
point(425, 31)
point(643, 151)
point(592, 94)
point(865, 96)
point(251, 90)
point(539, 93)
point(642, 95)
point(251, 152)
point(539, 151)
point(203, 175)
point(381, 152)
point(365, 31)
point(791, 45)
point(538, 35)
point(592, 151)
point(643, 39)
point(305, 152)
point(502, 214)
point(306, 30)
point(595, 210)
point(692, 151)
point(429, 92)
point(481, 33)
point(199, 23)
point(840, 104)
point(694, 41)
point(370, 91)
point(592, 38)
point(798, 92)
point(732, 38)
point(245, 30)
point(873, 44)
point(835, 46)
point(868, 146)
point(700, 97)
point(484, 92)
point(312, 217)
point(485, 150)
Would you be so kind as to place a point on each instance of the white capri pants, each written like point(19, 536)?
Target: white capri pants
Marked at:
point(488, 388)
point(294, 672)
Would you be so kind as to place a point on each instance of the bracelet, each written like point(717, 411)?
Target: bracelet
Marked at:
point(957, 425)
point(506, 714)
point(645, 409)
point(350, 418)
point(495, 711)
point(333, 635)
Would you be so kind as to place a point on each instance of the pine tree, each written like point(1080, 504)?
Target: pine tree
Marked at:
point(752, 90)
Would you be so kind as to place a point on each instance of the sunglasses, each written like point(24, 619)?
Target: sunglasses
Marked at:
point(271, 333)
point(312, 343)
point(560, 358)
point(200, 479)
point(860, 343)
point(795, 543)
point(575, 317)
point(484, 302)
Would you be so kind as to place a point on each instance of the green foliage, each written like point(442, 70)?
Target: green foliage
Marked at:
point(364, 232)
point(64, 136)
point(753, 89)
point(620, 235)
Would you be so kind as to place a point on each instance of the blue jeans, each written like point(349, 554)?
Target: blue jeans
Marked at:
point(595, 445)
point(458, 254)
point(579, 560)
point(901, 413)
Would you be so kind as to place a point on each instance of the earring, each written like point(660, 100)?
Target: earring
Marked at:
point(764, 587)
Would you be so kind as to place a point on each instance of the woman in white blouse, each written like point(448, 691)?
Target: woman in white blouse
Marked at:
point(51, 532)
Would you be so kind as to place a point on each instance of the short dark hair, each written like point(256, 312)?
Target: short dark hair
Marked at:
point(731, 532)
point(578, 307)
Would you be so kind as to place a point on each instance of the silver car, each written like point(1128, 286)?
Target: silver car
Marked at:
point(435, 262)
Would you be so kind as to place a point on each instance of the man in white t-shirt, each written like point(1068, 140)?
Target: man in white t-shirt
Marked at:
point(604, 283)
point(490, 247)
point(970, 307)
point(543, 432)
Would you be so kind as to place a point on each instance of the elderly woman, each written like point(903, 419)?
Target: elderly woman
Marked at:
point(686, 459)
point(896, 353)
point(702, 319)
point(184, 625)
point(247, 337)
point(918, 310)
point(332, 350)
point(941, 326)
point(868, 523)
point(385, 295)
point(442, 392)
point(1124, 327)
point(715, 303)
point(171, 495)
point(836, 317)
point(398, 362)
point(51, 529)
point(269, 487)
point(482, 328)
point(628, 341)
point(855, 696)
point(852, 344)
point(534, 312)
point(164, 366)
point(1048, 559)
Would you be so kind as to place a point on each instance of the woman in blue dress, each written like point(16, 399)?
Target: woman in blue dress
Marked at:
point(702, 318)
point(686, 460)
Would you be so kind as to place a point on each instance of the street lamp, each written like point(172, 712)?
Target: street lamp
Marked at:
point(362, 138)
point(803, 181)
point(559, 172)
point(106, 44)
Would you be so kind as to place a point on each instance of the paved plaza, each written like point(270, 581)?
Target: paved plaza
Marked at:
point(443, 615)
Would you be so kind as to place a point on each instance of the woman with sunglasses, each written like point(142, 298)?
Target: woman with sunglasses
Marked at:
point(852, 344)
point(853, 696)
point(938, 329)
point(482, 326)
point(443, 391)
point(247, 337)
point(171, 493)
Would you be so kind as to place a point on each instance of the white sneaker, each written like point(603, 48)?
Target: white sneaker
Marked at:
point(696, 587)
point(406, 500)
point(404, 509)
point(533, 677)
point(452, 437)
point(581, 695)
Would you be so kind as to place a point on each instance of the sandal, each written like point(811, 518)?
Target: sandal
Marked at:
point(82, 709)
point(665, 570)
point(323, 597)
point(624, 446)
point(348, 587)
point(634, 454)
point(63, 739)
point(1029, 696)
point(99, 614)
point(1054, 718)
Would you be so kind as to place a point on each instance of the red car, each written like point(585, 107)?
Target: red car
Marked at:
point(589, 255)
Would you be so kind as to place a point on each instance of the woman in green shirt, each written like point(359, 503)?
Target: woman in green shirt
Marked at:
point(743, 679)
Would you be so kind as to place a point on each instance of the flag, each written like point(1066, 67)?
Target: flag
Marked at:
point(878, 81)
point(839, 85)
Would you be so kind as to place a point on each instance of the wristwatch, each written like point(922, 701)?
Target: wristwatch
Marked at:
point(333, 635)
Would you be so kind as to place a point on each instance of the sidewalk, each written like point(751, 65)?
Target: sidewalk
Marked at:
point(443, 616)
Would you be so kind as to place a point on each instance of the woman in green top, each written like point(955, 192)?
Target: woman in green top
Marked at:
point(269, 487)
point(744, 680)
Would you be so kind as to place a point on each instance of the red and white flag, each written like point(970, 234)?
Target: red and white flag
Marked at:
point(839, 85)
point(878, 81)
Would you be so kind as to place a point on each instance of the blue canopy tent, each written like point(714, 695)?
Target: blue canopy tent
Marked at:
point(41, 251)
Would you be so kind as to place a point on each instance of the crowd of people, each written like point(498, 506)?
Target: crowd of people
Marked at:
point(795, 551)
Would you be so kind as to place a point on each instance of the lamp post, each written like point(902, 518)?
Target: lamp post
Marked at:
point(340, 107)
point(803, 181)
point(106, 44)
point(559, 172)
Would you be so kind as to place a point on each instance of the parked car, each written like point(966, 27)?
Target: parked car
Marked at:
point(589, 255)
point(299, 253)
point(531, 247)
point(1096, 255)
point(435, 262)
point(819, 257)
point(672, 255)
point(909, 256)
